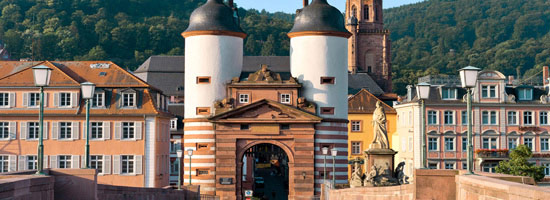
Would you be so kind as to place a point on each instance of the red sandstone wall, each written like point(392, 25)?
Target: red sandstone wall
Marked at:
point(481, 187)
point(27, 187)
point(109, 192)
point(401, 192)
point(435, 184)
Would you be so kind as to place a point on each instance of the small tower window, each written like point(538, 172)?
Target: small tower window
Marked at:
point(285, 126)
point(327, 80)
point(203, 79)
point(369, 69)
point(366, 12)
point(245, 126)
point(327, 110)
point(203, 111)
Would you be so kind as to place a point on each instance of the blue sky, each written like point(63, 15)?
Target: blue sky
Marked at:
point(290, 6)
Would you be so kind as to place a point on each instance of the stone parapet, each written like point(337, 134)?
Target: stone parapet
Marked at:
point(400, 192)
point(481, 187)
point(27, 187)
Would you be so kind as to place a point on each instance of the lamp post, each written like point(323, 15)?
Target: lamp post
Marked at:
point(423, 93)
point(190, 153)
point(42, 76)
point(88, 90)
point(325, 152)
point(468, 77)
point(334, 152)
point(179, 152)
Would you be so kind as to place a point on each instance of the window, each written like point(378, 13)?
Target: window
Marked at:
point(432, 165)
point(203, 110)
point(4, 164)
point(285, 127)
point(489, 143)
point(448, 117)
point(285, 98)
point(512, 143)
point(356, 126)
point(202, 172)
point(203, 79)
point(327, 80)
point(32, 162)
point(464, 143)
point(449, 144)
point(544, 144)
point(127, 164)
point(4, 130)
point(65, 130)
point(174, 124)
point(366, 13)
point(174, 167)
point(525, 94)
point(64, 161)
point(448, 93)
point(96, 162)
point(527, 118)
point(432, 144)
point(33, 128)
point(543, 118)
point(356, 148)
point(34, 99)
point(546, 169)
point(512, 118)
point(96, 131)
point(243, 98)
point(464, 165)
point(327, 110)
point(489, 91)
point(245, 126)
point(529, 143)
point(449, 166)
point(4, 99)
point(98, 100)
point(490, 167)
point(464, 115)
point(128, 130)
point(129, 99)
point(64, 99)
point(489, 117)
point(432, 117)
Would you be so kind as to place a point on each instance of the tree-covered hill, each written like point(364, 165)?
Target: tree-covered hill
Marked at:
point(435, 36)
point(442, 36)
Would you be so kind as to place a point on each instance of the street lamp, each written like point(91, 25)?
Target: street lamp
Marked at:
point(334, 152)
point(42, 75)
point(423, 93)
point(325, 152)
point(179, 152)
point(190, 153)
point(88, 90)
point(468, 77)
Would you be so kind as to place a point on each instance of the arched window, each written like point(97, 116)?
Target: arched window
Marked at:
point(376, 12)
point(366, 12)
point(354, 11)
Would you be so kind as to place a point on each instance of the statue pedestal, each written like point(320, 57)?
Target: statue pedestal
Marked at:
point(383, 159)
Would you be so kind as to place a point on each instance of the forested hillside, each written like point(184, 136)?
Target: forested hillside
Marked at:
point(435, 36)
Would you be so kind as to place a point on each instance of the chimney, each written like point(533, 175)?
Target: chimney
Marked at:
point(231, 3)
point(510, 80)
point(545, 74)
point(306, 2)
point(409, 93)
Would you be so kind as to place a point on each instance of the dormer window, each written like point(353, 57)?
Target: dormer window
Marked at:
point(448, 93)
point(244, 98)
point(129, 99)
point(489, 91)
point(525, 94)
point(98, 100)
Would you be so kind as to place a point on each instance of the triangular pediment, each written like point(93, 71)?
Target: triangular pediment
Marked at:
point(266, 111)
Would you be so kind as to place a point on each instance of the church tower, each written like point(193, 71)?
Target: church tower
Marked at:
point(369, 46)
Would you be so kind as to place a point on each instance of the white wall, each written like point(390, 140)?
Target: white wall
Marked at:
point(312, 57)
point(221, 58)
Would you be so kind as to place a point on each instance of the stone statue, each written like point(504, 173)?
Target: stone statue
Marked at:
point(357, 176)
point(543, 99)
point(380, 131)
point(511, 98)
point(372, 177)
point(400, 175)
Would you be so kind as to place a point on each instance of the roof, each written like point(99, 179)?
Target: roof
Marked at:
point(320, 17)
point(215, 17)
point(365, 102)
point(167, 73)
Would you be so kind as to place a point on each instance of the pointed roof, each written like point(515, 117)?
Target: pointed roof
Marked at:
point(365, 102)
point(266, 111)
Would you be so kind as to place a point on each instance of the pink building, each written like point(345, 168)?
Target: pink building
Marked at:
point(506, 113)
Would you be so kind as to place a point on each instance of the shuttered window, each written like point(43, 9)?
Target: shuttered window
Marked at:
point(4, 130)
point(127, 164)
point(64, 161)
point(65, 130)
point(4, 164)
point(128, 130)
point(96, 162)
point(4, 99)
point(32, 162)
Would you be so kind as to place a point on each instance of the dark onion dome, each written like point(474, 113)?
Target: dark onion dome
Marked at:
point(213, 18)
point(319, 18)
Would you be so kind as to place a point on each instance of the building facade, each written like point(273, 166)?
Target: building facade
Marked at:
point(506, 113)
point(129, 123)
point(360, 128)
point(369, 46)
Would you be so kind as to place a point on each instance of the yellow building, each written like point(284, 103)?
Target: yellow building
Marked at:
point(360, 128)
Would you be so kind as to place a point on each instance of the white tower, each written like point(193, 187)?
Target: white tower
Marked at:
point(318, 58)
point(213, 55)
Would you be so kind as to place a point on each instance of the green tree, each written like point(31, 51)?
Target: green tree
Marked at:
point(518, 164)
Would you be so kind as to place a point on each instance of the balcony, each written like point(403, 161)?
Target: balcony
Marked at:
point(500, 154)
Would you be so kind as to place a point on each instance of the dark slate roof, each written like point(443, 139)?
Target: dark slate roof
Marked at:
point(319, 16)
point(214, 15)
point(167, 72)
